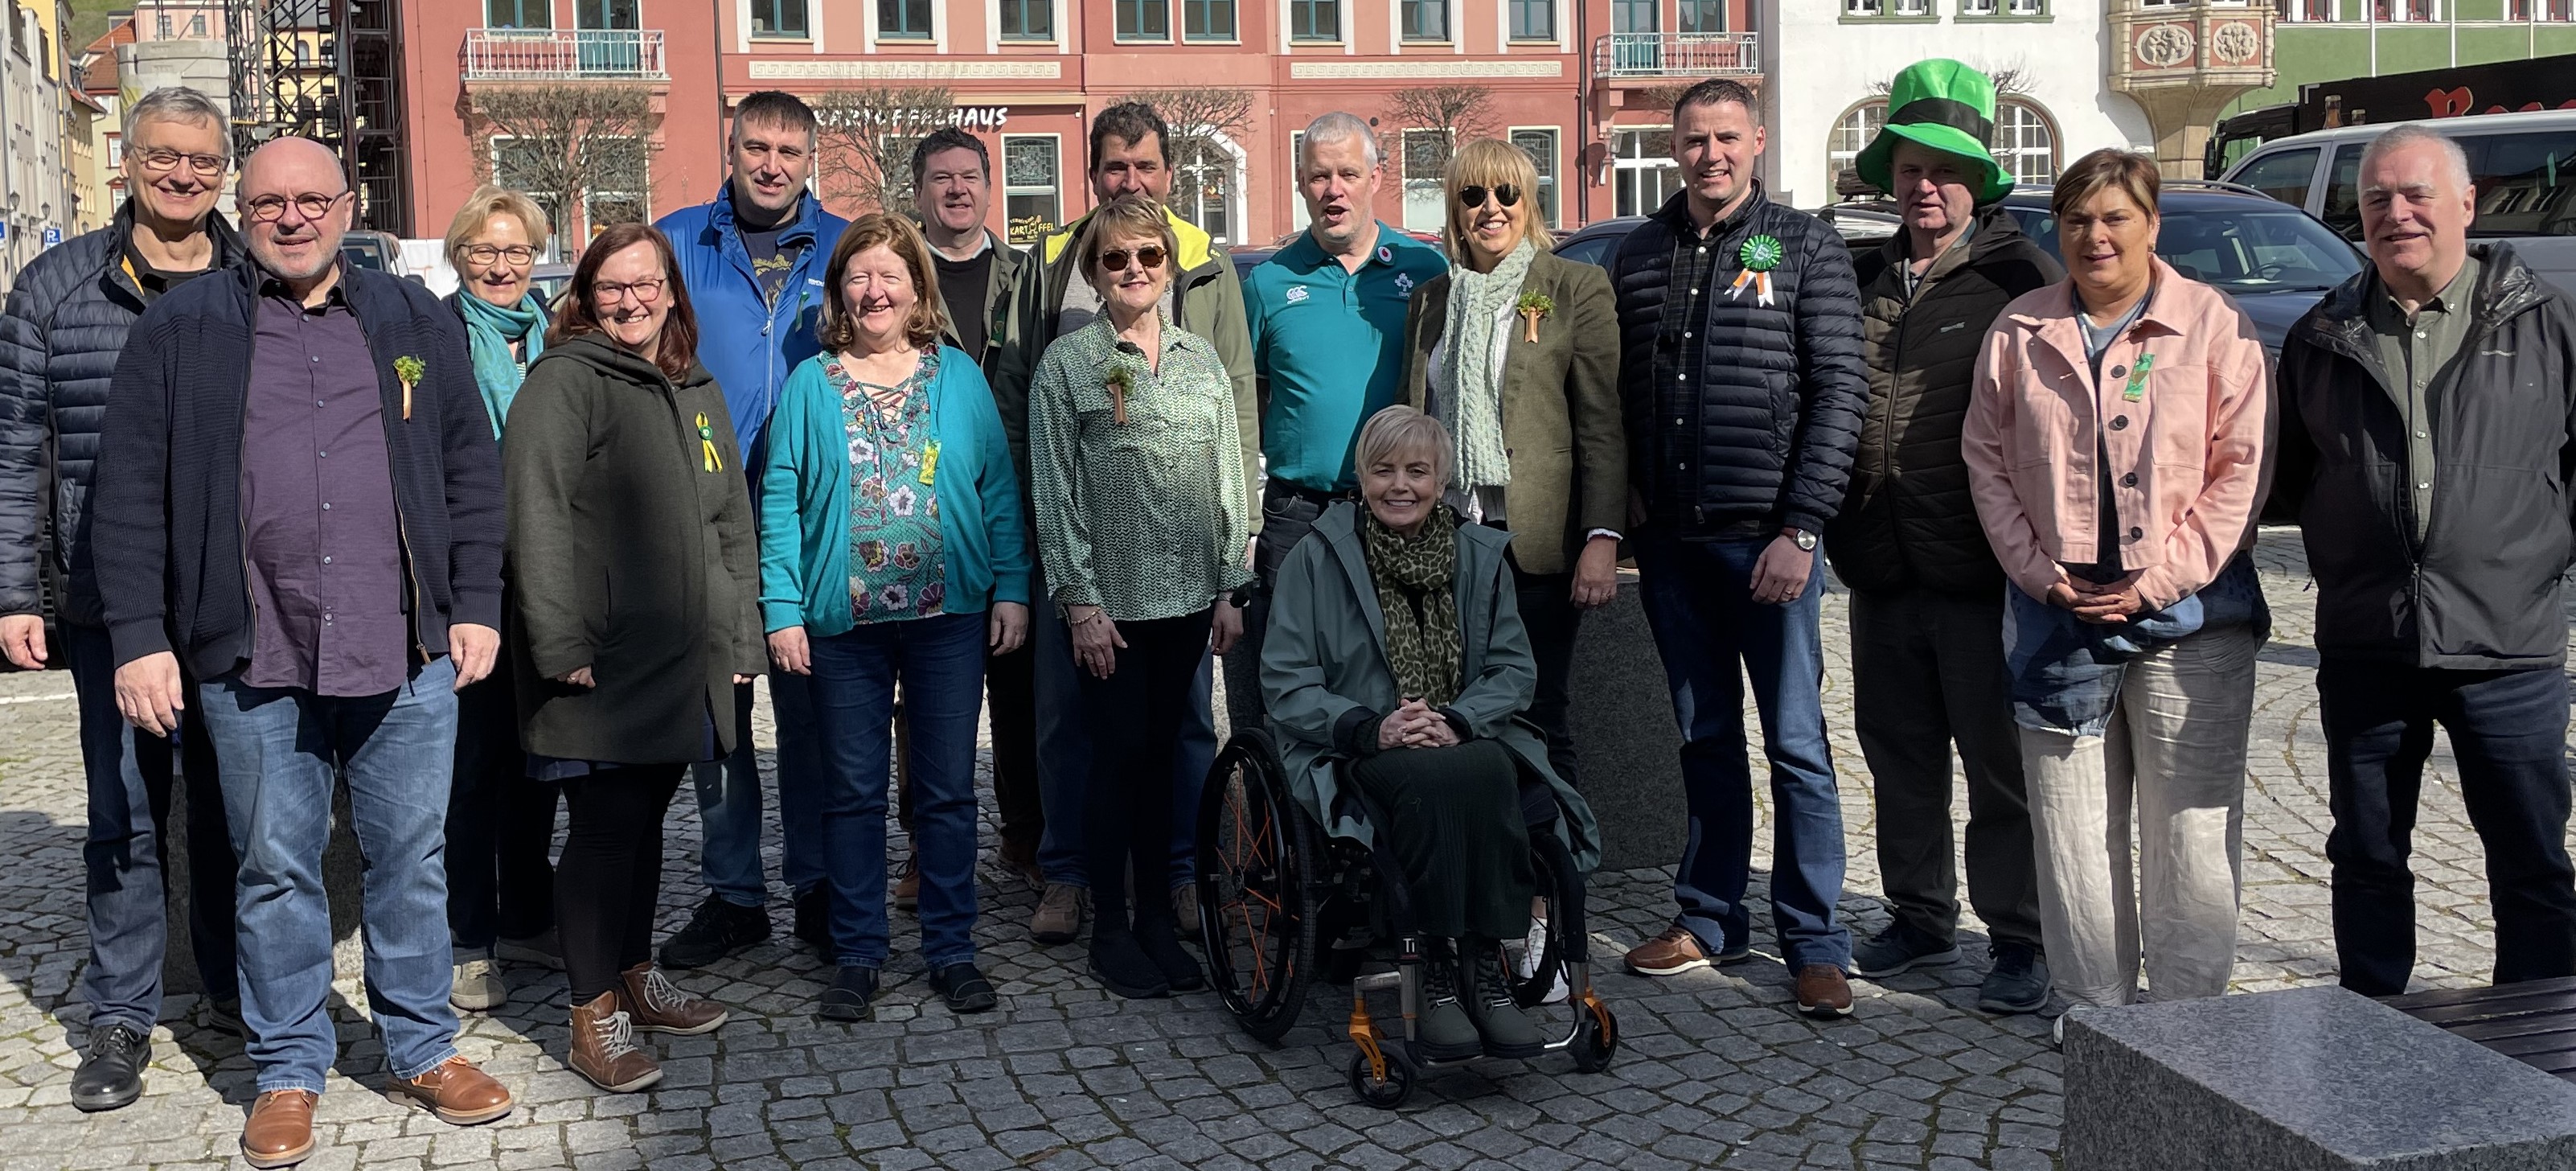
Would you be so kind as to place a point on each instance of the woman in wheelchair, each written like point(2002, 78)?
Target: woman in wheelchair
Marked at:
point(1396, 660)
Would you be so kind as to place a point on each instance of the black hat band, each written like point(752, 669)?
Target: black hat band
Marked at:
point(1956, 115)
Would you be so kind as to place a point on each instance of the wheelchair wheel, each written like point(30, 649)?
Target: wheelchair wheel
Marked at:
point(1532, 990)
point(1596, 1039)
point(1257, 863)
point(1387, 1093)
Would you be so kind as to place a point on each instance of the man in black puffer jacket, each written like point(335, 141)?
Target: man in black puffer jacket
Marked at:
point(64, 326)
point(1742, 385)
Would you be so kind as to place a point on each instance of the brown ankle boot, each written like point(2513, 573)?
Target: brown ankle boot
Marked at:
point(658, 1006)
point(603, 1048)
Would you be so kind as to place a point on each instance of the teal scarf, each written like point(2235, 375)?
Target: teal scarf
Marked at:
point(490, 329)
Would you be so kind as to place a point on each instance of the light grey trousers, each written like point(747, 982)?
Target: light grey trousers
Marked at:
point(2171, 767)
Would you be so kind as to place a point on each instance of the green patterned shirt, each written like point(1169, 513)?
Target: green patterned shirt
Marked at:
point(1145, 519)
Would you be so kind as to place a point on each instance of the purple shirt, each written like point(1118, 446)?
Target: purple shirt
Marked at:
point(321, 539)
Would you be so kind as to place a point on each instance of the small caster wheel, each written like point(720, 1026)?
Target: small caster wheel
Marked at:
point(1595, 1041)
point(1387, 1093)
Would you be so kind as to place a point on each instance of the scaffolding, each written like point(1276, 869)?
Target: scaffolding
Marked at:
point(331, 71)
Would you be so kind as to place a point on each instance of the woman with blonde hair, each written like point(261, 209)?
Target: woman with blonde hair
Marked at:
point(892, 553)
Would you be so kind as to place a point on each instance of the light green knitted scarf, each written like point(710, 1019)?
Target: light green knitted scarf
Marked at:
point(1469, 388)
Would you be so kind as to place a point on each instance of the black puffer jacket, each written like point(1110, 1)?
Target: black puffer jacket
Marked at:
point(64, 326)
point(1909, 520)
point(2481, 590)
point(1740, 416)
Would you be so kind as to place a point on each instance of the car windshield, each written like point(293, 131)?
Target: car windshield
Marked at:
point(2245, 248)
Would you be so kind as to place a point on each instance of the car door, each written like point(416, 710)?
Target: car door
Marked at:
point(2286, 175)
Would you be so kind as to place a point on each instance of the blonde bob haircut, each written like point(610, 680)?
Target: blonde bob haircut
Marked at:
point(1125, 218)
point(1490, 162)
point(486, 202)
point(1399, 431)
point(895, 234)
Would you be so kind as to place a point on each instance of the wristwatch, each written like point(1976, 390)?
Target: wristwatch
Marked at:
point(1806, 540)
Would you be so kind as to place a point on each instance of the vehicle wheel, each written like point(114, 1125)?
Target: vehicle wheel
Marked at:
point(1256, 868)
point(1595, 1041)
point(1386, 1094)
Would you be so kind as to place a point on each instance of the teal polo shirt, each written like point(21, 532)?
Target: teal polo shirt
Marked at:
point(1331, 342)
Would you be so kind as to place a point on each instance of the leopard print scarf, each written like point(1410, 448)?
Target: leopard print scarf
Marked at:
point(1414, 591)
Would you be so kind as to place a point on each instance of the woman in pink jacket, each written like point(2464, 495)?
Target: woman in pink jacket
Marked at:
point(2117, 448)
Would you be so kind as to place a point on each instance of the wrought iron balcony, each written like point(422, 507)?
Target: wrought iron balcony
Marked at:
point(1677, 55)
point(541, 54)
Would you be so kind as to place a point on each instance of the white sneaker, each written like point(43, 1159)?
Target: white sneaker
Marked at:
point(1525, 961)
point(478, 987)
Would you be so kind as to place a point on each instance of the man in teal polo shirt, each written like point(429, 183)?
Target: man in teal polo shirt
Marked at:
point(1327, 323)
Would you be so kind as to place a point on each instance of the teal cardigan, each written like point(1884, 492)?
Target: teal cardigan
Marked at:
point(805, 500)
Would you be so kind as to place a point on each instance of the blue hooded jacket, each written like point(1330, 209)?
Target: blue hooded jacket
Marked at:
point(749, 345)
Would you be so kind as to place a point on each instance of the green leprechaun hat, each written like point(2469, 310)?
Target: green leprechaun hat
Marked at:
point(1945, 105)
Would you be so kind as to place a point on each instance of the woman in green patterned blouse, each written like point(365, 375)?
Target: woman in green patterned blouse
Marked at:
point(1142, 527)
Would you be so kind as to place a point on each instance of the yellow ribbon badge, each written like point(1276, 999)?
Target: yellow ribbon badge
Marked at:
point(707, 444)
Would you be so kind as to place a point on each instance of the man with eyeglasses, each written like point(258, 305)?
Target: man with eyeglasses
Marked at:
point(299, 507)
point(65, 323)
point(752, 262)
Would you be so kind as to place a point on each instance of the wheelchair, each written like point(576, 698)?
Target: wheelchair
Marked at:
point(1279, 898)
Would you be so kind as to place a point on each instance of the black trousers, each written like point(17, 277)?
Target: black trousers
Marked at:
point(1010, 688)
point(1136, 716)
point(500, 824)
point(1287, 514)
point(2508, 732)
point(1552, 619)
point(610, 880)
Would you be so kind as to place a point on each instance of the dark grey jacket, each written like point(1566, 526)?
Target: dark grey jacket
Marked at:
point(65, 324)
point(2481, 590)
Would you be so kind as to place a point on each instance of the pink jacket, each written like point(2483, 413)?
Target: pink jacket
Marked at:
point(2190, 454)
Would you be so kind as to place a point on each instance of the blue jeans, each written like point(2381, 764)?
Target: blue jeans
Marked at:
point(282, 749)
point(1699, 602)
point(129, 803)
point(1064, 754)
point(940, 665)
point(729, 800)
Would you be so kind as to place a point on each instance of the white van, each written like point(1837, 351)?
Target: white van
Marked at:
point(2523, 165)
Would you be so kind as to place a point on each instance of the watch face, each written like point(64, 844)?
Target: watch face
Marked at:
point(1806, 541)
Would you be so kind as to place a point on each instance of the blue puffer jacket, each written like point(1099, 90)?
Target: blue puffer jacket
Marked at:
point(749, 345)
point(60, 335)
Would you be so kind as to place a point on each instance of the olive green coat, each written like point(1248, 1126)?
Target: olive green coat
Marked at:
point(1561, 422)
point(1322, 662)
point(629, 554)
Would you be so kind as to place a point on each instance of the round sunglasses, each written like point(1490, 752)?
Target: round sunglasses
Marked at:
point(1115, 259)
point(1504, 194)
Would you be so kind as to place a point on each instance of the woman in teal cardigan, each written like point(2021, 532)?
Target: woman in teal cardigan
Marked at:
point(892, 549)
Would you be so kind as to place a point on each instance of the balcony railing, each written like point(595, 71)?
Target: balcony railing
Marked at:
point(1677, 54)
point(512, 54)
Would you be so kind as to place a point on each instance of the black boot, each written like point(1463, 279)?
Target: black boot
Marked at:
point(719, 929)
point(1119, 963)
point(1507, 1032)
point(1446, 1032)
point(1163, 946)
point(112, 1075)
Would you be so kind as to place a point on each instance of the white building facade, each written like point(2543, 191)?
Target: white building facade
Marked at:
point(1830, 62)
point(35, 205)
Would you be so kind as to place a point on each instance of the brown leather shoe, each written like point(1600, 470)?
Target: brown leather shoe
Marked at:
point(1670, 954)
point(279, 1132)
point(603, 1048)
point(1823, 992)
point(907, 888)
point(458, 1093)
point(656, 1005)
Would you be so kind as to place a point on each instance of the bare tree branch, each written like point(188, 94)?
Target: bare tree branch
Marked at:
point(865, 140)
point(1199, 116)
point(1458, 113)
point(567, 145)
point(2012, 78)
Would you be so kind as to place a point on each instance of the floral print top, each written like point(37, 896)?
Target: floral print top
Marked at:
point(897, 569)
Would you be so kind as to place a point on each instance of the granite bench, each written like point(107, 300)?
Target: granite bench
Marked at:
point(2533, 1023)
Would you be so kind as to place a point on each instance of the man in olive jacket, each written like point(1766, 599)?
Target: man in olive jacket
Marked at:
point(1927, 596)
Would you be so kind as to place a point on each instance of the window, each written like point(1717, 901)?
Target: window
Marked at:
point(1297, 216)
point(1914, 7)
point(2397, 11)
point(2318, 11)
point(197, 26)
point(1028, 20)
point(1642, 171)
point(903, 20)
point(2285, 176)
point(1636, 16)
point(2010, 7)
point(1314, 20)
point(519, 14)
point(607, 14)
point(620, 194)
point(2024, 144)
point(778, 18)
point(161, 26)
point(1203, 185)
point(1851, 132)
point(2342, 207)
point(1426, 20)
point(2548, 10)
point(1031, 202)
point(1207, 20)
point(1533, 20)
point(1701, 16)
point(1144, 20)
point(1426, 156)
point(1540, 145)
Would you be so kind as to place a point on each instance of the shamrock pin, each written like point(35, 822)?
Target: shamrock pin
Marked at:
point(1759, 256)
point(1533, 305)
point(410, 370)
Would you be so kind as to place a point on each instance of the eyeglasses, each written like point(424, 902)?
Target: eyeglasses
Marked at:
point(491, 253)
point(1115, 260)
point(162, 160)
point(1504, 194)
point(269, 208)
point(644, 292)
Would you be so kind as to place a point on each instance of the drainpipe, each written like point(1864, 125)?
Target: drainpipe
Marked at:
point(1582, 185)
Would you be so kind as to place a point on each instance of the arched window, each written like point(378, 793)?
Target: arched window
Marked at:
point(1851, 132)
point(2025, 144)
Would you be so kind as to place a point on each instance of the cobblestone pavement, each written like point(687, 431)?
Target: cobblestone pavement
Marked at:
point(1716, 1069)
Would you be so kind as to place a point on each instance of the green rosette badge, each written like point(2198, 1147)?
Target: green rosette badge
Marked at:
point(1759, 256)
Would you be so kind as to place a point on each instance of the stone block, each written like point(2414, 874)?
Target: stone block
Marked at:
point(2304, 1079)
point(1628, 751)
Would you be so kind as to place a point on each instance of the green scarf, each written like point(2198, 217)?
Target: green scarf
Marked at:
point(1414, 592)
point(489, 330)
point(1469, 389)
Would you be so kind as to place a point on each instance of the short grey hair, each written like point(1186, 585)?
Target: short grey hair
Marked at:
point(1399, 429)
point(1338, 126)
point(179, 103)
point(2410, 133)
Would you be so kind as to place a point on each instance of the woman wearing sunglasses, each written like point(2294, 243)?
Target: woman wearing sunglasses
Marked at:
point(1142, 521)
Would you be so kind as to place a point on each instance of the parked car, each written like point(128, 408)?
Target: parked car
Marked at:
point(381, 251)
